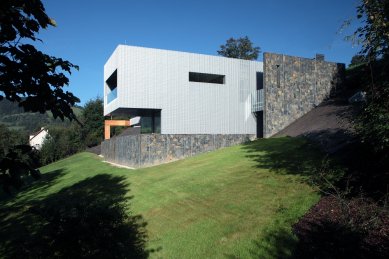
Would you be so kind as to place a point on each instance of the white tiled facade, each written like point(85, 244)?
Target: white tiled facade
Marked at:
point(159, 79)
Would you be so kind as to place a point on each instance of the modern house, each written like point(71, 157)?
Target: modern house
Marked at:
point(200, 102)
point(184, 93)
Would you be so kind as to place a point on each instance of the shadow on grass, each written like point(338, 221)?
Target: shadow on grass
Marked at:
point(325, 231)
point(89, 219)
point(284, 155)
point(46, 179)
point(317, 237)
point(278, 244)
point(288, 156)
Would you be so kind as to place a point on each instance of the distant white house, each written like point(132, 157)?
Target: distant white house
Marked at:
point(36, 139)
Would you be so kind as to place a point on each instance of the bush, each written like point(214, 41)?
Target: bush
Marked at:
point(341, 228)
point(327, 175)
point(62, 142)
point(17, 159)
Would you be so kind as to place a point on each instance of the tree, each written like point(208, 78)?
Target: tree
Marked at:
point(69, 139)
point(241, 48)
point(28, 76)
point(373, 122)
point(16, 158)
point(357, 60)
point(10, 138)
point(93, 121)
point(374, 34)
point(62, 142)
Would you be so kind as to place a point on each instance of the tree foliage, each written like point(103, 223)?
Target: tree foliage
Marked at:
point(68, 139)
point(93, 121)
point(373, 122)
point(374, 34)
point(29, 77)
point(62, 142)
point(241, 48)
point(357, 60)
point(10, 138)
point(16, 158)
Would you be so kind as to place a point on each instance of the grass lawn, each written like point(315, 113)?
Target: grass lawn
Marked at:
point(237, 202)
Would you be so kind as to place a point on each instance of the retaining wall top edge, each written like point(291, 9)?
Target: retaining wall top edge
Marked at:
point(302, 58)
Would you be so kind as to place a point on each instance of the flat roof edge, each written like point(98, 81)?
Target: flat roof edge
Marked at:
point(185, 52)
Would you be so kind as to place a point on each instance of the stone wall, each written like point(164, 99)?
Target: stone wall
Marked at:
point(153, 149)
point(293, 86)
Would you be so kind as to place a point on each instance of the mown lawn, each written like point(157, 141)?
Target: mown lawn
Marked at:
point(237, 202)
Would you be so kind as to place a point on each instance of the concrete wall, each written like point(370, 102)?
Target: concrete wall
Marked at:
point(293, 86)
point(159, 79)
point(152, 149)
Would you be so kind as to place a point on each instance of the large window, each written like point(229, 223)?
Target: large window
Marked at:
point(151, 122)
point(112, 85)
point(206, 78)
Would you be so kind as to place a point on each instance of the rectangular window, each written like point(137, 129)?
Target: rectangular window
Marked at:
point(151, 122)
point(206, 78)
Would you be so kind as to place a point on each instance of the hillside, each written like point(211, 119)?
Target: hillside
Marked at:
point(14, 117)
point(237, 202)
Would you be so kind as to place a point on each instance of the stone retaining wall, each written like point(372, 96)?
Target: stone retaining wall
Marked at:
point(293, 86)
point(153, 149)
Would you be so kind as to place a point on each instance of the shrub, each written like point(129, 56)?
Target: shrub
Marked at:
point(341, 228)
point(62, 142)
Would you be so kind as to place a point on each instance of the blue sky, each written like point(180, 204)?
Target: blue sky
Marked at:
point(87, 32)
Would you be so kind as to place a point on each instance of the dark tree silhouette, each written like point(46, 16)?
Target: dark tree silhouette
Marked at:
point(372, 123)
point(28, 76)
point(357, 60)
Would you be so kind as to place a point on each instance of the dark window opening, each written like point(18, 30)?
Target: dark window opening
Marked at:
point(278, 76)
point(112, 85)
point(151, 122)
point(259, 80)
point(112, 81)
point(206, 78)
point(259, 117)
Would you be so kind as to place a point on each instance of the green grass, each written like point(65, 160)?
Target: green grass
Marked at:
point(237, 202)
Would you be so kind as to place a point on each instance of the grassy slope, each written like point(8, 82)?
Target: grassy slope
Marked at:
point(238, 201)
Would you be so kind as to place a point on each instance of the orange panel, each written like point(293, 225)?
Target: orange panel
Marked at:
point(109, 123)
point(107, 132)
point(117, 122)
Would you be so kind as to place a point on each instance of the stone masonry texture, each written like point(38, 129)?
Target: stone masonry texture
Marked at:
point(293, 86)
point(153, 149)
